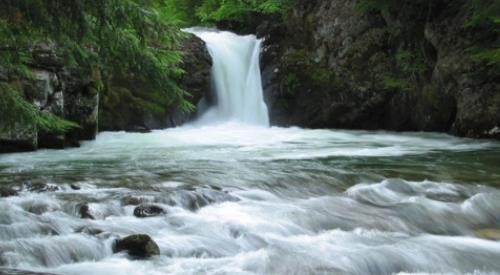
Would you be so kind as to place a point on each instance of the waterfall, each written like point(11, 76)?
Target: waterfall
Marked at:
point(236, 77)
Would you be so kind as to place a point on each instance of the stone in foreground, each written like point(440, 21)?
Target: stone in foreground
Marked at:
point(139, 246)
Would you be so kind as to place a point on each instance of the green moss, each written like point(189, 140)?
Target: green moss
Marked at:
point(292, 82)
point(395, 84)
point(322, 75)
point(491, 57)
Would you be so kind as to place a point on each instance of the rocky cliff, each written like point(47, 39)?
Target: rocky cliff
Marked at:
point(407, 68)
point(127, 111)
point(88, 100)
point(57, 89)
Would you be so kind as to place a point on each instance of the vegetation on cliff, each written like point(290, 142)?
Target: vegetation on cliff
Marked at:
point(191, 12)
point(115, 37)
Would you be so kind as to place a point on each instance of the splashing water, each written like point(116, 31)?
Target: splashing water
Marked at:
point(239, 198)
point(235, 77)
point(251, 200)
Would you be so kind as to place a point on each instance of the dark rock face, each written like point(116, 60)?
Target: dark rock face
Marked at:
point(40, 187)
point(140, 246)
point(118, 112)
point(60, 90)
point(329, 65)
point(148, 210)
point(85, 212)
point(8, 191)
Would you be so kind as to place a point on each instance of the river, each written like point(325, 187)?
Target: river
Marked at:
point(241, 198)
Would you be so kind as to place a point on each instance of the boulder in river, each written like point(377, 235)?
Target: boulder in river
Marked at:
point(89, 230)
point(148, 210)
point(7, 191)
point(85, 212)
point(40, 187)
point(132, 200)
point(140, 246)
point(492, 234)
point(75, 186)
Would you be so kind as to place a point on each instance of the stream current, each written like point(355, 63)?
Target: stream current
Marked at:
point(240, 197)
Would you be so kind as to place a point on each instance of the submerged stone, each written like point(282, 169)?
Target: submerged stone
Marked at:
point(148, 210)
point(140, 246)
point(40, 187)
point(492, 234)
point(75, 186)
point(7, 191)
point(89, 230)
point(85, 212)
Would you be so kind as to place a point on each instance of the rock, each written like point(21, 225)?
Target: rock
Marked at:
point(8, 191)
point(40, 187)
point(489, 234)
point(140, 246)
point(4, 74)
point(8, 271)
point(148, 210)
point(21, 138)
point(85, 212)
point(89, 230)
point(329, 65)
point(138, 129)
point(131, 200)
point(119, 113)
point(39, 208)
point(75, 186)
point(196, 198)
point(46, 55)
point(81, 103)
point(54, 89)
point(197, 65)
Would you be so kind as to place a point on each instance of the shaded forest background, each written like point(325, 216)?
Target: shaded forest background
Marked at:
point(109, 40)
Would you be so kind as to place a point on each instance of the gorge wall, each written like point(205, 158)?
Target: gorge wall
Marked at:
point(56, 89)
point(92, 102)
point(121, 104)
point(330, 65)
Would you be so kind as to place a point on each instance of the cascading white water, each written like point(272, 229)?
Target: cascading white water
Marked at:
point(236, 77)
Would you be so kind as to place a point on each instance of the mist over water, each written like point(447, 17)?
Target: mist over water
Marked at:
point(242, 198)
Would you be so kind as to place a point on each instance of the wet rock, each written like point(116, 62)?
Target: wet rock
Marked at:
point(89, 230)
point(328, 65)
point(4, 75)
point(8, 191)
point(131, 200)
point(39, 208)
point(85, 212)
point(7, 271)
point(194, 200)
point(140, 246)
point(492, 234)
point(46, 55)
point(197, 64)
point(40, 187)
point(75, 186)
point(118, 114)
point(148, 210)
point(138, 129)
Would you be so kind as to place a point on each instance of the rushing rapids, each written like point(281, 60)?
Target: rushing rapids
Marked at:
point(234, 198)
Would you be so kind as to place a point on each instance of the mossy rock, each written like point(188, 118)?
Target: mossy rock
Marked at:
point(138, 246)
